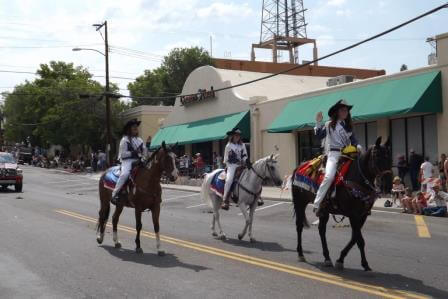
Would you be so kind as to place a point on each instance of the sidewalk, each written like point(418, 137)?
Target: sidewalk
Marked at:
point(276, 194)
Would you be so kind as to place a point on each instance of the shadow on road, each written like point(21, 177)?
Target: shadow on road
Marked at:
point(388, 280)
point(151, 259)
point(263, 246)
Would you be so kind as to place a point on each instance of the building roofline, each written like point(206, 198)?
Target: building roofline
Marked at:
point(148, 109)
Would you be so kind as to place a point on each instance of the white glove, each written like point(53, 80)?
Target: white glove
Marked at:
point(359, 147)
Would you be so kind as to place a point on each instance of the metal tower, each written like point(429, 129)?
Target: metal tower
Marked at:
point(283, 28)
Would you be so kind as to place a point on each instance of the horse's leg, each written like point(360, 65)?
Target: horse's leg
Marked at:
point(354, 223)
point(115, 219)
point(251, 217)
point(361, 245)
point(155, 212)
point(103, 214)
point(243, 208)
point(216, 206)
point(323, 238)
point(138, 228)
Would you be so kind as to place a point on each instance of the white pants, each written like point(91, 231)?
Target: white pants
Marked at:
point(126, 167)
point(330, 172)
point(231, 169)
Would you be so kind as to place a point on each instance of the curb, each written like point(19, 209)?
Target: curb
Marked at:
point(271, 198)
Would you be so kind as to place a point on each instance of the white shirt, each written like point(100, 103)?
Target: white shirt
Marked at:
point(427, 169)
point(440, 199)
point(134, 143)
point(238, 151)
point(337, 138)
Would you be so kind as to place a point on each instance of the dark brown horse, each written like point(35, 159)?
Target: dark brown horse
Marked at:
point(356, 206)
point(146, 194)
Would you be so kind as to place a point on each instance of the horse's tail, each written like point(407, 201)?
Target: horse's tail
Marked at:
point(299, 203)
point(104, 206)
point(205, 188)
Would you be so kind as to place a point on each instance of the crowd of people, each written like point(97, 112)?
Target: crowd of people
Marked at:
point(196, 166)
point(427, 193)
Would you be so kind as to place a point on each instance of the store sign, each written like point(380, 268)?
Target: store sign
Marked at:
point(202, 95)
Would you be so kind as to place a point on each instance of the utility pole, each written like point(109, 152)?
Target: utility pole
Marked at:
point(107, 92)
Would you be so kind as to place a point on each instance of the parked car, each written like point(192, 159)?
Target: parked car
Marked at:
point(10, 173)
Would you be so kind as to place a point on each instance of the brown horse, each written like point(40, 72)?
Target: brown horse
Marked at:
point(146, 194)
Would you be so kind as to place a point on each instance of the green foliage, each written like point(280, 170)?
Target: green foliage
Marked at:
point(50, 110)
point(170, 77)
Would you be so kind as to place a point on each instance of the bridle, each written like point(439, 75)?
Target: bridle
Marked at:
point(373, 165)
point(259, 176)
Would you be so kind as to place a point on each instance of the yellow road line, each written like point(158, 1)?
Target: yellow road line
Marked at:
point(422, 229)
point(314, 275)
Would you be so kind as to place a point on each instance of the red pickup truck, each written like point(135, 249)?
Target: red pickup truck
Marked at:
point(10, 173)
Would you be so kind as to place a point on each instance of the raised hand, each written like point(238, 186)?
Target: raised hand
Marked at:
point(319, 117)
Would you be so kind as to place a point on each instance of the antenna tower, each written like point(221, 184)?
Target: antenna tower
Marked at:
point(283, 28)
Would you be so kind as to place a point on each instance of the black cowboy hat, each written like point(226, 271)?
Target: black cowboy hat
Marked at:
point(341, 103)
point(129, 124)
point(234, 131)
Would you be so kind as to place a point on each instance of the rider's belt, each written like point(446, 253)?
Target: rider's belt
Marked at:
point(333, 149)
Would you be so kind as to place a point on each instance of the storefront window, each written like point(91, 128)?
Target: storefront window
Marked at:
point(417, 133)
point(309, 145)
point(360, 132)
point(366, 133)
point(372, 133)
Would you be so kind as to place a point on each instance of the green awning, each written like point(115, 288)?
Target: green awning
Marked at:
point(203, 130)
point(420, 93)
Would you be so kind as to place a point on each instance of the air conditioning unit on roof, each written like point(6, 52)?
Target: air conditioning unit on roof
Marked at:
point(340, 80)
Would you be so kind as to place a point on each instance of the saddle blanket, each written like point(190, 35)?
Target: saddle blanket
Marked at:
point(218, 182)
point(309, 176)
point(111, 177)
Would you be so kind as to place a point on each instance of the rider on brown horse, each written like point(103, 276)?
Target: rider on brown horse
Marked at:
point(132, 149)
point(338, 134)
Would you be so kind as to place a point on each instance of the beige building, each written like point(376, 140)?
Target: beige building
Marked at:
point(277, 114)
point(152, 118)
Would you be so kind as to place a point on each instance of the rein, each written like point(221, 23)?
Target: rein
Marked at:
point(255, 194)
point(366, 181)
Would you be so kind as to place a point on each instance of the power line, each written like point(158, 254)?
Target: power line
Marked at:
point(34, 73)
point(318, 59)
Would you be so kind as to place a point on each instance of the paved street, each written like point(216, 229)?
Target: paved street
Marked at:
point(48, 250)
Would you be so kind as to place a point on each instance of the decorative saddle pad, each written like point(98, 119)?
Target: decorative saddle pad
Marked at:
point(309, 176)
point(112, 174)
point(218, 182)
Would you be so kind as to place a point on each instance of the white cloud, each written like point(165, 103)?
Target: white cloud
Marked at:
point(344, 12)
point(336, 2)
point(225, 10)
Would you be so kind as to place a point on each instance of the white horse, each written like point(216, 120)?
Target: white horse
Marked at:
point(247, 189)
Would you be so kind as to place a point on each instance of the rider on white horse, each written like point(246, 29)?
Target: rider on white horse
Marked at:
point(235, 155)
point(338, 134)
point(132, 149)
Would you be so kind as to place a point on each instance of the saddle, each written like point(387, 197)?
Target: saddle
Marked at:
point(111, 178)
point(219, 180)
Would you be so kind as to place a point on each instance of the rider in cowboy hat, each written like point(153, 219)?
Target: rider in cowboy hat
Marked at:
point(338, 134)
point(235, 155)
point(131, 149)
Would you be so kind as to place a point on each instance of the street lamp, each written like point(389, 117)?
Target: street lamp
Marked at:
point(107, 92)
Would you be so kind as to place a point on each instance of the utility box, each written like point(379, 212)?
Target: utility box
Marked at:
point(340, 80)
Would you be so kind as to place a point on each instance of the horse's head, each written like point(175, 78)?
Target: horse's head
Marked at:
point(268, 169)
point(380, 157)
point(167, 158)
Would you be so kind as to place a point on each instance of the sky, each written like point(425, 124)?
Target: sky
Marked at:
point(142, 31)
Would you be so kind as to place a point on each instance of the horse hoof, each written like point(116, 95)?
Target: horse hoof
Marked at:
point(118, 245)
point(367, 268)
point(328, 263)
point(99, 240)
point(302, 259)
point(240, 237)
point(138, 250)
point(161, 253)
point(252, 240)
point(339, 266)
point(222, 237)
point(214, 234)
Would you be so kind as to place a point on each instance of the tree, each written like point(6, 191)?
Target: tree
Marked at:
point(170, 77)
point(403, 67)
point(50, 109)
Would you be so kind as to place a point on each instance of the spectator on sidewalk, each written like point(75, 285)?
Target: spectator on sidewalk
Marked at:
point(442, 175)
point(402, 166)
point(94, 161)
point(406, 201)
point(101, 160)
point(415, 161)
point(426, 173)
point(397, 190)
point(420, 202)
point(198, 165)
point(438, 200)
